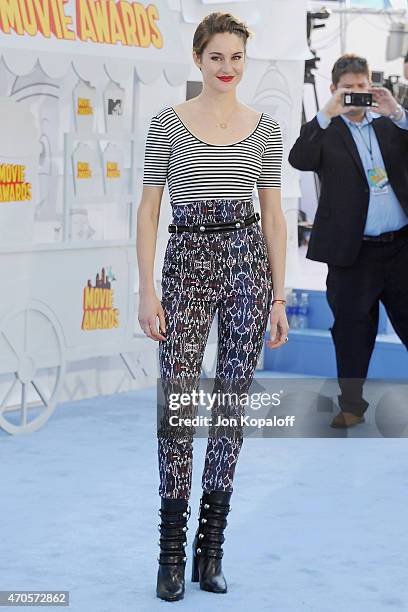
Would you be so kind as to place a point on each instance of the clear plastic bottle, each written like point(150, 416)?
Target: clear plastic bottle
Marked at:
point(293, 317)
point(303, 311)
point(289, 307)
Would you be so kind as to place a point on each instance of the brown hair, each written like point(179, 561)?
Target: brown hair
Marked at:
point(218, 23)
point(350, 63)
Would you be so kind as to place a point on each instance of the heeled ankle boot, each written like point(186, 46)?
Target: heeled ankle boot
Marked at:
point(172, 560)
point(207, 545)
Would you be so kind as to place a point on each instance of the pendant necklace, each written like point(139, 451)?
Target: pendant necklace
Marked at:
point(224, 124)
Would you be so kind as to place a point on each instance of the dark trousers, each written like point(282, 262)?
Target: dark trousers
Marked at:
point(227, 273)
point(354, 293)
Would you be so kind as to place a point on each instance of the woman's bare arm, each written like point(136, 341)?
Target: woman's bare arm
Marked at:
point(150, 307)
point(275, 233)
point(274, 230)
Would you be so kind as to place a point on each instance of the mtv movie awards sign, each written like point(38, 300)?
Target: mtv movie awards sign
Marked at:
point(13, 184)
point(131, 24)
point(99, 311)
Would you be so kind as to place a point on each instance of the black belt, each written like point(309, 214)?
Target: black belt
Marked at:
point(206, 228)
point(388, 236)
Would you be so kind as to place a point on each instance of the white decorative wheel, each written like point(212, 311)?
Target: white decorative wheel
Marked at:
point(32, 367)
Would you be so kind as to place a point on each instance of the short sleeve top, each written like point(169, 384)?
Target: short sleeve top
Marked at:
point(197, 170)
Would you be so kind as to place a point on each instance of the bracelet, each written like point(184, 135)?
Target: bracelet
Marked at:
point(278, 302)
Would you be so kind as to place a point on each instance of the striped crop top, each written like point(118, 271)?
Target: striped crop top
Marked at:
point(196, 170)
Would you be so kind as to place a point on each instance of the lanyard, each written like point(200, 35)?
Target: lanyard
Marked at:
point(369, 147)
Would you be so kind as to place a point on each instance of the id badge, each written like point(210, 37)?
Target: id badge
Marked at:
point(378, 180)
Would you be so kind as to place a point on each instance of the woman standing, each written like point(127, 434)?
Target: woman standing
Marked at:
point(211, 150)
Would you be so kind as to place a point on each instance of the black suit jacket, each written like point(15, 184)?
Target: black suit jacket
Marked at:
point(342, 209)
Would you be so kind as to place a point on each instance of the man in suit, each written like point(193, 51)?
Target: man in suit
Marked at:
point(361, 224)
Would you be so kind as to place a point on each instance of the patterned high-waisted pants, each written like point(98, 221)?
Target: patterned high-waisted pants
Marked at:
point(227, 272)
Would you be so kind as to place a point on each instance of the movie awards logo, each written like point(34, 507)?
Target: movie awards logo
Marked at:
point(84, 170)
point(99, 21)
point(84, 106)
point(112, 169)
point(13, 185)
point(99, 312)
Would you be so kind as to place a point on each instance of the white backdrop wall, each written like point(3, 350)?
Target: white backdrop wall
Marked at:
point(273, 83)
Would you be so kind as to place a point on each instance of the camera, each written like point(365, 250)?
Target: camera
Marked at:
point(358, 99)
point(377, 78)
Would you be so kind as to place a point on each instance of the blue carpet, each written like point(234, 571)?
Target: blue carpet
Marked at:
point(316, 524)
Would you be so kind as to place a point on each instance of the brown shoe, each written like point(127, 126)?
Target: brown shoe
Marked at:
point(346, 419)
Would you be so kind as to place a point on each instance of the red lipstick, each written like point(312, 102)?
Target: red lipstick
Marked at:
point(226, 79)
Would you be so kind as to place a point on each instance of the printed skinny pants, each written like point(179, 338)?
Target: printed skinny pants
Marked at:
point(225, 272)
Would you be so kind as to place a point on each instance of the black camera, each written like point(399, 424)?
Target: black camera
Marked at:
point(377, 78)
point(358, 99)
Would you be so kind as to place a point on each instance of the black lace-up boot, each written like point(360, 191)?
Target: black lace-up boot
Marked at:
point(207, 545)
point(172, 560)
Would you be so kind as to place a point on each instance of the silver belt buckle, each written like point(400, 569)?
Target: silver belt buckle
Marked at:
point(235, 223)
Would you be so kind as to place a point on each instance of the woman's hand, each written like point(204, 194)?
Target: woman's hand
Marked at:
point(279, 326)
point(149, 309)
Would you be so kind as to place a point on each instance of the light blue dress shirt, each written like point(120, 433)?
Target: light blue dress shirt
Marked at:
point(385, 213)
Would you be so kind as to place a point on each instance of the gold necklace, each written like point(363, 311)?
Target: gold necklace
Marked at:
point(224, 124)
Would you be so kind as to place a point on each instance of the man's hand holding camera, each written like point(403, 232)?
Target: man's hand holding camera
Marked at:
point(335, 106)
point(386, 104)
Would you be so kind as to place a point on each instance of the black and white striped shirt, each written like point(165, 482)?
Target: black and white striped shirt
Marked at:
point(196, 170)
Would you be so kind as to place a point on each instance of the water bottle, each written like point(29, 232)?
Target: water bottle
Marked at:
point(289, 307)
point(293, 316)
point(303, 311)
